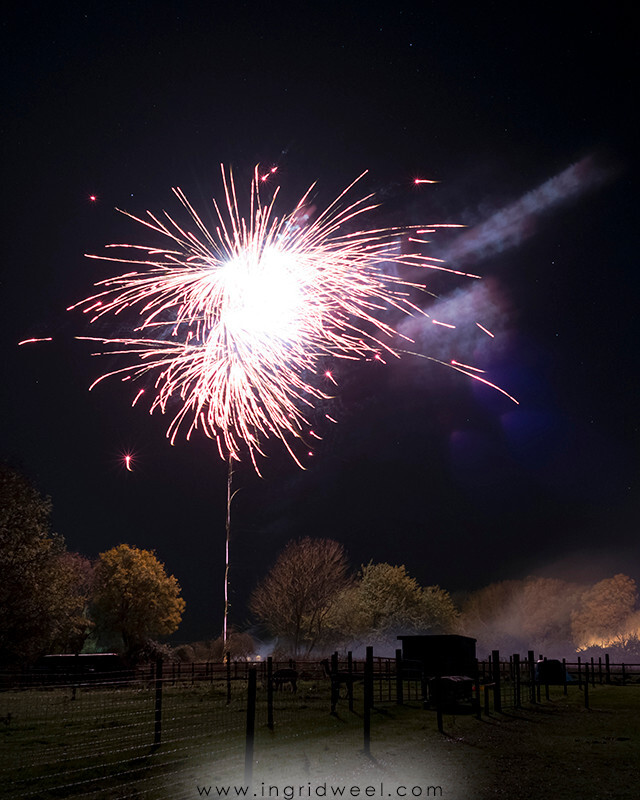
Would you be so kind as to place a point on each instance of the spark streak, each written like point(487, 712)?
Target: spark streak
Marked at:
point(31, 341)
point(482, 328)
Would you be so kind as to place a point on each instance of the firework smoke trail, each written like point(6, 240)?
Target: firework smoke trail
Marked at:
point(514, 223)
point(235, 322)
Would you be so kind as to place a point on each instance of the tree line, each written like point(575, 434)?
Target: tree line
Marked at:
point(309, 602)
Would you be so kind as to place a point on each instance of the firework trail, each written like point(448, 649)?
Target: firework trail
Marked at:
point(235, 323)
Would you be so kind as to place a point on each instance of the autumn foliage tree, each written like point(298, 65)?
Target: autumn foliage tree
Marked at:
point(297, 595)
point(134, 598)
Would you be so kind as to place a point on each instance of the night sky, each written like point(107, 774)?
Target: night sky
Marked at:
point(425, 468)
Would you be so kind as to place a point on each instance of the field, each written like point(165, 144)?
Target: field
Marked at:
point(99, 744)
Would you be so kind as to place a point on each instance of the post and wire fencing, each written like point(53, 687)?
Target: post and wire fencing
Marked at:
point(158, 731)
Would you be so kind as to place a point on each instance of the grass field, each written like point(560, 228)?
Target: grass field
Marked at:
point(100, 745)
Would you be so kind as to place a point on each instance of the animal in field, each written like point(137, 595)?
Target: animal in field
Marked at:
point(341, 677)
point(282, 676)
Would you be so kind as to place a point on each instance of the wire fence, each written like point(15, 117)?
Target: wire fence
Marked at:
point(153, 732)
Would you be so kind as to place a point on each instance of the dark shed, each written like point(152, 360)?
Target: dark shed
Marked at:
point(444, 654)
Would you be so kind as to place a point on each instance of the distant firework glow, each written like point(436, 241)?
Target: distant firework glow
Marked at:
point(235, 323)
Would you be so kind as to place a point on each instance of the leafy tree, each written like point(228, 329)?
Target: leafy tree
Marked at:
point(386, 600)
point(603, 611)
point(296, 596)
point(76, 575)
point(134, 598)
point(37, 587)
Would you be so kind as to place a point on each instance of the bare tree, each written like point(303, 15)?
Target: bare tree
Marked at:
point(297, 594)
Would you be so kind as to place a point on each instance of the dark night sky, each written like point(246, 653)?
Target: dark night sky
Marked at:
point(126, 100)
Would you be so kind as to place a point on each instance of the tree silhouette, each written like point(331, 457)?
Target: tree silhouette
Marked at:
point(297, 594)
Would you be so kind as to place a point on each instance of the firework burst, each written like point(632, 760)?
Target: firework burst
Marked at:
point(235, 322)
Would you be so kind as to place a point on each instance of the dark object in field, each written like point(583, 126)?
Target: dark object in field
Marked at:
point(444, 654)
point(445, 664)
point(282, 676)
point(82, 667)
point(453, 689)
point(551, 671)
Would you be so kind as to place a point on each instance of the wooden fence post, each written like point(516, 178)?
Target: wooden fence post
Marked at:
point(228, 677)
point(564, 676)
point(476, 678)
point(251, 726)
point(607, 670)
point(516, 679)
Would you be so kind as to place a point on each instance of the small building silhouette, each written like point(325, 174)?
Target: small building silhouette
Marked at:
point(441, 654)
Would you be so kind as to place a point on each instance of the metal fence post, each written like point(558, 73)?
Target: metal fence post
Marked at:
point(157, 733)
point(251, 726)
point(579, 673)
point(532, 677)
point(270, 693)
point(335, 682)
point(586, 685)
point(350, 679)
point(368, 699)
point(497, 699)
point(399, 684)
point(546, 681)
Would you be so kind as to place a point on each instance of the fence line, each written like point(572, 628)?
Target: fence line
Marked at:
point(139, 732)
